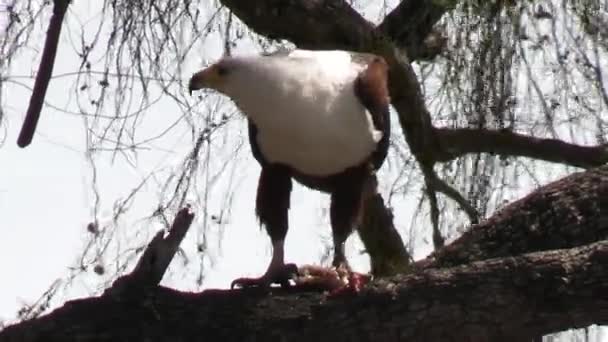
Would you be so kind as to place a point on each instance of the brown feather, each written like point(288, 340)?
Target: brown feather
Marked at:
point(371, 88)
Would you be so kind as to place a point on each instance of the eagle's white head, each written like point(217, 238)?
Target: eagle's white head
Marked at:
point(240, 76)
point(226, 76)
point(306, 105)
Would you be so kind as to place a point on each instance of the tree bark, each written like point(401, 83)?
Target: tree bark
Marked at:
point(567, 213)
point(508, 299)
point(511, 283)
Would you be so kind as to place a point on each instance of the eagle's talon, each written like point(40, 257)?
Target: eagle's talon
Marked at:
point(276, 275)
point(245, 283)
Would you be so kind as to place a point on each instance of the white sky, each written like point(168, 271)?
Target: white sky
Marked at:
point(46, 200)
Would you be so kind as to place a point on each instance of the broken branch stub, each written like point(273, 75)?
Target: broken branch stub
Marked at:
point(155, 260)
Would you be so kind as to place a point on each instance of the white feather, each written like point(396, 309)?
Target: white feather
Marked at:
point(304, 106)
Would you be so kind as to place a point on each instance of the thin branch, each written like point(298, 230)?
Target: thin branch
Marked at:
point(433, 185)
point(448, 190)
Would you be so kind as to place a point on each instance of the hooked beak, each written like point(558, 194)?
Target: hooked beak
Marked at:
point(205, 78)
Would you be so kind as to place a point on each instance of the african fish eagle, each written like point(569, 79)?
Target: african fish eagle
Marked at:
point(319, 117)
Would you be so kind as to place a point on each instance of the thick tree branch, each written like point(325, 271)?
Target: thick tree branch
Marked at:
point(566, 213)
point(509, 299)
point(457, 142)
point(410, 25)
point(322, 24)
point(45, 70)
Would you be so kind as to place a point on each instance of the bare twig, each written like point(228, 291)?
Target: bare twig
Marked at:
point(448, 190)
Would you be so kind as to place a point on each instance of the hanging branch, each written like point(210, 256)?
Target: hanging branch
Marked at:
point(45, 70)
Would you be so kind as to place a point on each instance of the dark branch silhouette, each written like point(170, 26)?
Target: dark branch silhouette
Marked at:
point(411, 23)
point(457, 142)
point(45, 70)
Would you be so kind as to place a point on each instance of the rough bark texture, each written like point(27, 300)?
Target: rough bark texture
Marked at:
point(570, 212)
point(510, 298)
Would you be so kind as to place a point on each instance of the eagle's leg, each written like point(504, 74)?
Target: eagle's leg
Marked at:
point(272, 206)
point(345, 212)
point(340, 215)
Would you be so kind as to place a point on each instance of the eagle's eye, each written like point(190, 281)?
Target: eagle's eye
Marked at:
point(222, 70)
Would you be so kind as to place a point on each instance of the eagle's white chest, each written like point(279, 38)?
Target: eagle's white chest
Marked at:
point(310, 119)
